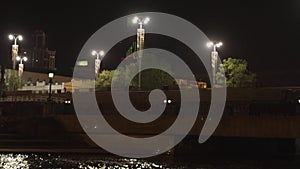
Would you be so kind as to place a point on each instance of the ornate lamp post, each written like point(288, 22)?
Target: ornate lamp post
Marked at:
point(21, 65)
point(99, 55)
point(214, 56)
point(140, 41)
point(15, 48)
point(51, 75)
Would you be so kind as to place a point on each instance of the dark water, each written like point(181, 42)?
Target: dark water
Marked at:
point(92, 161)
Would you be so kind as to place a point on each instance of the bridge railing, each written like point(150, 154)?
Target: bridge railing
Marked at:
point(32, 97)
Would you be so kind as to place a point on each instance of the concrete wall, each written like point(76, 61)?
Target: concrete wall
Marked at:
point(39, 77)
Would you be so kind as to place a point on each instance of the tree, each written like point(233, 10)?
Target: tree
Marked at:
point(2, 81)
point(154, 78)
point(13, 81)
point(104, 79)
point(236, 73)
point(151, 78)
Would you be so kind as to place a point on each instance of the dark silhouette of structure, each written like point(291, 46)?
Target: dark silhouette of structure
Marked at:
point(40, 58)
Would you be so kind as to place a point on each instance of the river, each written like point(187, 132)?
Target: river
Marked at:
point(94, 161)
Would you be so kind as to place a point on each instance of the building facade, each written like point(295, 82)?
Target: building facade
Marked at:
point(40, 58)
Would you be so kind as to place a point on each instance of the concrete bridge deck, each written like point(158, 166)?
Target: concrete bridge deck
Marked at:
point(261, 112)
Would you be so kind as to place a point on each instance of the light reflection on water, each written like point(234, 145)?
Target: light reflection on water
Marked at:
point(21, 161)
point(13, 161)
point(92, 161)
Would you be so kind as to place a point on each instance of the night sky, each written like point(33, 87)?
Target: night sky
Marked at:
point(265, 33)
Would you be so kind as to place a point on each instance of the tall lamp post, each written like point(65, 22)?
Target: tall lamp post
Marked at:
point(21, 65)
point(15, 48)
point(140, 41)
point(214, 59)
point(51, 75)
point(99, 55)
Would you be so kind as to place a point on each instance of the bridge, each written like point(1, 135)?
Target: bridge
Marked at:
point(260, 113)
point(249, 113)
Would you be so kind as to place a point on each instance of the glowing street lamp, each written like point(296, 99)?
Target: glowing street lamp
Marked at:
point(15, 38)
point(140, 40)
point(214, 57)
point(15, 47)
point(214, 45)
point(51, 76)
point(141, 22)
point(99, 55)
point(21, 59)
point(21, 65)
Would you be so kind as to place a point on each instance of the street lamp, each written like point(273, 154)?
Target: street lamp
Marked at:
point(140, 41)
point(214, 57)
point(99, 55)
point(51, 75)
point(21, 65)
point(14, 53)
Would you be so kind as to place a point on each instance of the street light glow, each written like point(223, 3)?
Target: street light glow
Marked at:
point(51, 75)
point(209, 44)
point(101, 53)
point(20, 37)
point(167, 101)
point(135, 19)
point(146, 20)
point(219, 44)
point(10, 37)
point(18, 58)
point(94, 52)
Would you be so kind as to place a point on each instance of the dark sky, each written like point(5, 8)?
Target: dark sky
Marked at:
point(265, 33)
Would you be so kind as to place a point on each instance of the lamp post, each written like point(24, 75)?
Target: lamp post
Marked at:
point(214, 57)
point(99, 55)
point(21, 65)
point(15, 47)
point(140, 41)
point(51, 75)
